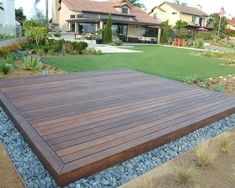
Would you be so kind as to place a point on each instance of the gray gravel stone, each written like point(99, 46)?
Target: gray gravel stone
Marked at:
point(35, 175)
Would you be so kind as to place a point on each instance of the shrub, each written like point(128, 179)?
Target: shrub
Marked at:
point(205, 153)
point(117, 42)
point(190, 79)
point(54, 45)
point(219, 88)
point(205, 35)
point(32, 63)
point(224, 142)
point(6, 51)
point(17, 55)
point(6, 68)
point(198, 43)
point(57, 34)
point(67, 47)
point(205, 85)
point(185, 173)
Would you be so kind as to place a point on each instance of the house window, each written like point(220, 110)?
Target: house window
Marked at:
point(79, 15)
point(202, 22)
point(72, 16)
point(193, 18)
point(125, 10)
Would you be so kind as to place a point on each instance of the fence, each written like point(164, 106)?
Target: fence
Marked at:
point(7, 32)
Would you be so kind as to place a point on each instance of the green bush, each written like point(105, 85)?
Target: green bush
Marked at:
point(57, 34)
point(6, 51)
point(219, 88)
point(117, 42)
point(6, 68)
point(19, 54)
point(198, 43)
point(32, 63)
point(190, 79)
point(205, 35)
point(54, 45)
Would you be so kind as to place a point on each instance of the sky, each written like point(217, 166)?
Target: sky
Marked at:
point(210, 6)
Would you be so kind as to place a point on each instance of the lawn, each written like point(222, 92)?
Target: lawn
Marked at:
point(172, 63)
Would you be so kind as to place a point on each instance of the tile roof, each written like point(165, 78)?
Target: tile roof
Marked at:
point(108, 7)
point(231, 22)
point(186, 9)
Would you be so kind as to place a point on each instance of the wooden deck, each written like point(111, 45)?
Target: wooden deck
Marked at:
point(79, 124)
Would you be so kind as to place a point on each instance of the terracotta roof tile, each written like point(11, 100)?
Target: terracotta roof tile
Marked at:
point(108, 7)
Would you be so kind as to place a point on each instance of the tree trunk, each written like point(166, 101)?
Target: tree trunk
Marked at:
point(46, 8)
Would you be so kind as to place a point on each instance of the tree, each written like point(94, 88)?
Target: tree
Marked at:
point(108, 37)
point(181, 28)
point(180, 25)
point(137, 3)
point(214, 22)
point(177, 2)
point(166, 32)
point(19, 13)
point(35, 32)
point(40, 18)
point(46, 7)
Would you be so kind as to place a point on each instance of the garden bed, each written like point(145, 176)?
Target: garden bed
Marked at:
point(220, 173)
point(20, 71)
point(225, 84)
point(8, 174)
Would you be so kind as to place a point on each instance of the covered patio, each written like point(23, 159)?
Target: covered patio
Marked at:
point(125, 30)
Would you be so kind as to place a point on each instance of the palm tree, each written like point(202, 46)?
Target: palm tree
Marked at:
point(177, 2)
point(137, 3)
point(1, 6)
point(46, 7)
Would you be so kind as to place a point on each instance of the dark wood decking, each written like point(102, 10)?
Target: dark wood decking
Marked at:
point(78, 124)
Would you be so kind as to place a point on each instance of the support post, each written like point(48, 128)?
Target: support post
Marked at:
point(76, 27)
point(219, 25)
point(159, 35)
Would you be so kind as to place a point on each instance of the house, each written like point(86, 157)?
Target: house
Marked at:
point(231, 24)
point(194, 16)
point(129, 23)
point(7, 17)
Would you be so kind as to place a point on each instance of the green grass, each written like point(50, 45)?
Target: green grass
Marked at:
point(166, 62)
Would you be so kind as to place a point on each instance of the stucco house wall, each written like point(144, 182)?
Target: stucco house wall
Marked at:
point(7, 17)
point(169, 14)
point(188, 18)
point(166, 12)
point(231, 27)
point(64, 14)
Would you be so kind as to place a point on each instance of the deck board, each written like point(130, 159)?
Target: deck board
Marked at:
point(80, 123)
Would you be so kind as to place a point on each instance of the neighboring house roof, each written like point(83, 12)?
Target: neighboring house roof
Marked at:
point(187, 9)
point(182, 8)
point(108, 7)
point(231, 22)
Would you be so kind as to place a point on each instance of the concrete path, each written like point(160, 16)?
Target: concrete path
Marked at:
point(114, 49)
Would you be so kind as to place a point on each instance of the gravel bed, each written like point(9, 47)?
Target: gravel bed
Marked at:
point(35, 175)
